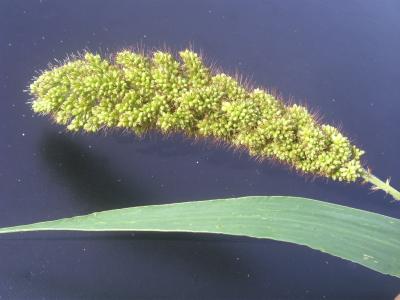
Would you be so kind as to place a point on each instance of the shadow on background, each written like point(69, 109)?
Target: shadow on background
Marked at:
point(89, 176)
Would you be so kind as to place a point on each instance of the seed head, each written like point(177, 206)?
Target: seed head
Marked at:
point(159, 92)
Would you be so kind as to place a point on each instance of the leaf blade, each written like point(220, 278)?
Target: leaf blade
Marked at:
point(363, 237)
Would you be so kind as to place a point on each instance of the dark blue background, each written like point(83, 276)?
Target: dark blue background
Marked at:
point(342, 58)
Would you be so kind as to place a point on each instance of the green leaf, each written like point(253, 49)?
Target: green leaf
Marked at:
point(369, 239)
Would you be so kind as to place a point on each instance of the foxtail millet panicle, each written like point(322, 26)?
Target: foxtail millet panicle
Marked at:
point(160, 92)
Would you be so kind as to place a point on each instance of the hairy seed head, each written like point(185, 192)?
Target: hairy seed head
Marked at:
point(159, 92)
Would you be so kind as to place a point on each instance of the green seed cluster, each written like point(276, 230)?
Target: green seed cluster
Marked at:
point(159, 92)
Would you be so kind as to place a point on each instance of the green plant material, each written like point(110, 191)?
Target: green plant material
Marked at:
point(366, 238)
point(159, 92)
point(378, 184)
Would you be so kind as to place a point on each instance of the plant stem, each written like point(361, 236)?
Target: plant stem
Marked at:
point(378, 184)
